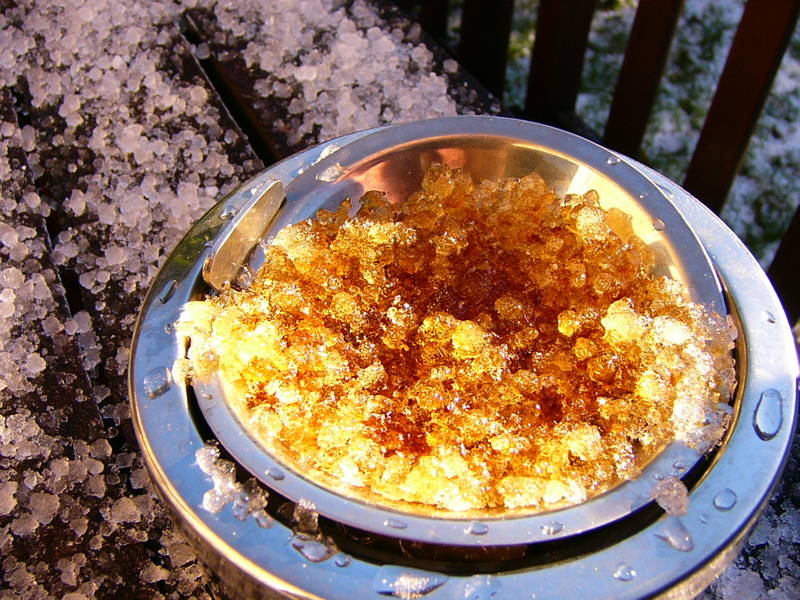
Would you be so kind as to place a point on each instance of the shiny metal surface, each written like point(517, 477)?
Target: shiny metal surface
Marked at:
point(243, 230)
point(394, 160)
point(666, 557)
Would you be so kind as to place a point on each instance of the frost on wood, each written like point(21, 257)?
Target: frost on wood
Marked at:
point(316, 61)
point(128, 147)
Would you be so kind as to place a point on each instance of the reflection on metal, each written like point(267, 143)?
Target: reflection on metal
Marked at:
point(768, 417)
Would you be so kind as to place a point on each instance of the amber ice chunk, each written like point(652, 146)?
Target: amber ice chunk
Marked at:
point(476, 346)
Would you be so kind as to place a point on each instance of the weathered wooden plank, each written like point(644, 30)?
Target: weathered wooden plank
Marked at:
point(65, 385)
point(642, 68)
point(562, 31)
point(225, 66)
point(58, 465)
point(113, 303)
point(755, 55)
point(470, 94)
point(282, 112)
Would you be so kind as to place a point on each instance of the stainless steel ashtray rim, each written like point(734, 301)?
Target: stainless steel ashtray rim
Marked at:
point(169, 440)
point(445, 138)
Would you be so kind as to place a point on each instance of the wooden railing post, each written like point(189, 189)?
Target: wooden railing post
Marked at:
point(433, 17)
point(562, 31)
point(642, 68)
point(784, 269)
point(485, 34)
point(755, 55)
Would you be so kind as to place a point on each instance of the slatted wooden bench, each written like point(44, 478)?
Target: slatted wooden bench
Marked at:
point(75, 513)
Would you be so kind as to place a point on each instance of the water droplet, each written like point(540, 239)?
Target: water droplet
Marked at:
point(643, 195)
point(477, 528)
point(624, 573)
point(659, 225)
point(395, 523)
point(667, 192)
point(342, 560)
point(228, 213)
point(157, 381)
point(263, 519)
point(168, 291)
point(679, 465)
point(704, 518)
point(769, 316)
point(613, 160)
point(675, 534)
point(406, 583)
point(208, 243)
point(313, 549)
point(275, 474)
point(658, 476)
point(552, 528)
point(482, 587)
point(725, 500)
point(768, 417)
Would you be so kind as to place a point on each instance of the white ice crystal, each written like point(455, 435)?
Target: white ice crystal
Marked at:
point(8, 500)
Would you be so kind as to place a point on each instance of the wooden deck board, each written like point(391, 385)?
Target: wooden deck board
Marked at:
point(73, 436)
point(88, 406)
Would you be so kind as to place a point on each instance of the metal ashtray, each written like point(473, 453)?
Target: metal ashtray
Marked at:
point(616, 545)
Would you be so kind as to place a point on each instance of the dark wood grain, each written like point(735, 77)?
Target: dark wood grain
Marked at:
point(485, 31)
point(642, 68)
point(562, 31)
